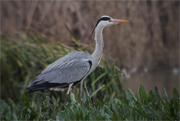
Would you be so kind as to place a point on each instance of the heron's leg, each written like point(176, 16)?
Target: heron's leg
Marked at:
point(69, 89)
point(81, 88)
point(85, 89)
point(72, 97)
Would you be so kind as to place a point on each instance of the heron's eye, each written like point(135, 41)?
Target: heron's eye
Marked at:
point(109, 20)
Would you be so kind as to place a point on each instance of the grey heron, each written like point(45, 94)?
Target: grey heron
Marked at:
point(73, 67)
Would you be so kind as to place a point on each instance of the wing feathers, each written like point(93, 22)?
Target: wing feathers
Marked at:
point(61, 73)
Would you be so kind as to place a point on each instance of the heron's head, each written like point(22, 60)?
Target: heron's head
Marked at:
point(105, 21)
point(108, 21)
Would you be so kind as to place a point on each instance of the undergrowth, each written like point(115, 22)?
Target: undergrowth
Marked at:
point(147, 107)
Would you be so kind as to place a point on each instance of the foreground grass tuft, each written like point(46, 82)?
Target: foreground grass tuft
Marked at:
point(148, 107)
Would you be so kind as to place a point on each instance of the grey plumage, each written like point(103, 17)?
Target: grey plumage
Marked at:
point(74, 67)
point(68, 69)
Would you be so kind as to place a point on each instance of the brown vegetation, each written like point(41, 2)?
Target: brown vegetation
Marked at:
point(150, 39)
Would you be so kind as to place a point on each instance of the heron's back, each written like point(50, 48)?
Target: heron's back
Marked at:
point(68, 69)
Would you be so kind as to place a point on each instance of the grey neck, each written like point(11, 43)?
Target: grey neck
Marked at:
point(97, 54)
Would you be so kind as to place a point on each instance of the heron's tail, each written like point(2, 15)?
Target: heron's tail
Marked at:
point(36, 85)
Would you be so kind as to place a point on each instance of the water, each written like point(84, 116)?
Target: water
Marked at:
point(162, 79)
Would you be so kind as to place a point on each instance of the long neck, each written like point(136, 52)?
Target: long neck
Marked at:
point(96, 56)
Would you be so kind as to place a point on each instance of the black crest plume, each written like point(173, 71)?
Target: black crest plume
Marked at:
point(101, 19)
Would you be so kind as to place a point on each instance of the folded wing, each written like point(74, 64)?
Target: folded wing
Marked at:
point(69, 69)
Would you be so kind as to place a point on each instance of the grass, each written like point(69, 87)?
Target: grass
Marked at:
point(27, 54)
point(147, 107)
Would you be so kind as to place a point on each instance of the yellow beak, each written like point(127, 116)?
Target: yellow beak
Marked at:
point(120, 21)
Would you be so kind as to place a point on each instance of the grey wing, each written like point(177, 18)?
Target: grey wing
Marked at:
point(69, 69)
point(67, 60)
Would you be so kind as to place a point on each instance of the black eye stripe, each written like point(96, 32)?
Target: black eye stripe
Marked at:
point(103, 19)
